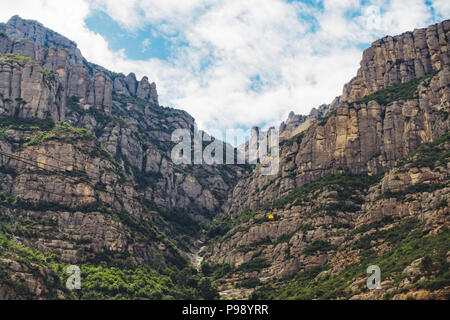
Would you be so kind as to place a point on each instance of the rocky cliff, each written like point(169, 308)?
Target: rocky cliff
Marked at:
point(399, 59)
point(362, 135)
point(86, 178)
point(49, 77)
point(354, 188)
point(91, 84)
point(100, 187)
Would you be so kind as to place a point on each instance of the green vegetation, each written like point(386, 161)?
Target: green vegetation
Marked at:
point(14, 58)
point(374, 225)
point(222, 224)
point(102, 280)
point(318, 246)
point(126, 219)
point(107, 282)
point(400, 91)
point(256, 264)
point(103, 121)
point(392, 235)
point(429, 154)
point(416, 188)
point(46, 130)
point(345, 185)
point(408, 244)
point(284, 238)
point(26, 124)
point(182, 222)
point(50, 77)
point(31, 259)
point(249, 283)
point(254, 246)
point(123, 99)
point(216, 271)
point(24, 226)
point(324, 120)
point(443, 203)
point(62, 132)
point(295, 139)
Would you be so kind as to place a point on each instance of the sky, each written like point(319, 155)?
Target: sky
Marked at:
point(232, 64)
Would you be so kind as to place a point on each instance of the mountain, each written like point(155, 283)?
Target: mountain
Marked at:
point(360, 186)
point(86, 174)
point(86, 179)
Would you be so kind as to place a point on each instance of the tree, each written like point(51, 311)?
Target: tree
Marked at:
point(207, 291)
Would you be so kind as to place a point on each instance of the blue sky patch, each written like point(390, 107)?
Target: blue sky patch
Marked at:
point(142, 44)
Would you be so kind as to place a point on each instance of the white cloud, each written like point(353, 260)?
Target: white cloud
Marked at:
point(145, 44)
point(67, 19)
point(442, 8)
point(303, 55)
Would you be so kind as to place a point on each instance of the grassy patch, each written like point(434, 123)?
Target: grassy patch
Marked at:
point(318, 246)
point(256, 264)
point(14, 58)
point(429, 154)
point(26, 124)
point(345, 185)
point(295, 139)
point(416, 188)
point(62, 132)
point(400, 91)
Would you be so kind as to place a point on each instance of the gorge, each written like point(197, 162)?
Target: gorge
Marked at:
point(87, 179)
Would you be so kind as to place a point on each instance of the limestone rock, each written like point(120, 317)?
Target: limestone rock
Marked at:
point(398, 59)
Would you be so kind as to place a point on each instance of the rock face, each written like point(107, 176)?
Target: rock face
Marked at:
point(362, 181)
point(399, 59)
point(147, 91)
point(98, 230)
point(296, 123)
point(27, 90)
point(359, 137)
point(91, 84)
point(293, 121)
point(100, 188)
point(324, 231)
point(332, 213)
point(19, 29)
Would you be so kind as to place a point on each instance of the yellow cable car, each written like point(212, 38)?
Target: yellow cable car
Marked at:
point(271, 216)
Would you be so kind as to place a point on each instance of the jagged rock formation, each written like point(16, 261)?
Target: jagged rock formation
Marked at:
point(334, 228)
point(27, 90)
point(91, 84)
point(292, 122)
point(400, 59)
point(363, 136)
point(100, 188)
point(328, 229)
point(296, 123)
point(362, 181)
point(85, 86)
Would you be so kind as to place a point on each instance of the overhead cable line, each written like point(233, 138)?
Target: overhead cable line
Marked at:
point(41, 165)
